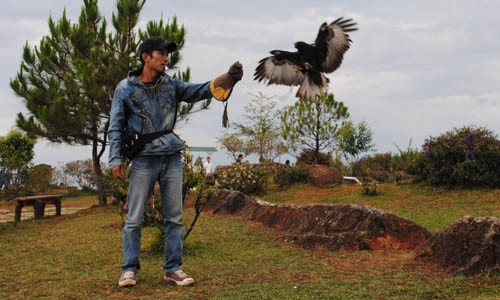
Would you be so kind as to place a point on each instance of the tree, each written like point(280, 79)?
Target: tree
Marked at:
point(40, 177)
point(59, 177)
point(313, 124)
point(67, 82)
point(355, 139)
point(235, 145)
point(80, 172)
point(259, 133)
point(16, 154)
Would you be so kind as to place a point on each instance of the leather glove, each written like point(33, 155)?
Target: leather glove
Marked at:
point(236, 72)
point(222, 86)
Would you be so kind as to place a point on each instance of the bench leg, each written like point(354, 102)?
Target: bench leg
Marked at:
point(17, 216)
point(39, 209)
point(57, 203)
point(42, 208)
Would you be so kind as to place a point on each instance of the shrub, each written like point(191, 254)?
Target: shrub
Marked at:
point(308, 157)
point(287, 175)
point(369, 188)
point(463, 157)
point(388, 167)
point(381, 176)
point(244, 178)
point(373, 163)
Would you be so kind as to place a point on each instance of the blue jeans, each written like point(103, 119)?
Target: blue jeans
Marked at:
point(144, 173)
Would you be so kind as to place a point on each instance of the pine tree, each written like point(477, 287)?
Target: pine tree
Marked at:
point(68, 80)
point(313, 124)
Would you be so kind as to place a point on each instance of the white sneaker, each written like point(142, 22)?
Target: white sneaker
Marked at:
point(127, 279)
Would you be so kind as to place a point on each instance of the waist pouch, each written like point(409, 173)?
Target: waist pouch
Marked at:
point(133, 143)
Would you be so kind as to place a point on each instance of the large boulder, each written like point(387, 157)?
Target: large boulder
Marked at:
point(468, 246)
point(335, 227)
point(322, 175)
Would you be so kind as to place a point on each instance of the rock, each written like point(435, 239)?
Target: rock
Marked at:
point(321, 175)
point(466, 247)
point(335, 227)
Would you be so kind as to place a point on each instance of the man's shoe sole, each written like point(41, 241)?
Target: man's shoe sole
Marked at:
point(125, 283)
point(185, 282)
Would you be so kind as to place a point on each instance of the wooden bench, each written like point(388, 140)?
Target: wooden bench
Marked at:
point(38, 203)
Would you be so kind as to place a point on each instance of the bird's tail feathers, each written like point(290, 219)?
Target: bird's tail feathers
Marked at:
point(310, 89)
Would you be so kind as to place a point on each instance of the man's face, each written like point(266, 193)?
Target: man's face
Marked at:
point(157, 61)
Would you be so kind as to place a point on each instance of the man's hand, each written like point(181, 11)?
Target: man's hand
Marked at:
point(236, 72)
point(118, 171)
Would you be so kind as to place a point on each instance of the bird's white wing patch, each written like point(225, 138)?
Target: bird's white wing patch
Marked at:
point(337, 44)
point(279, 72)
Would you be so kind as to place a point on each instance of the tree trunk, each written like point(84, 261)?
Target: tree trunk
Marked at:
point(96, 162)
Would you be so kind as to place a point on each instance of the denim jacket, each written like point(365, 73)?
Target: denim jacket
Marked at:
point(151, 109)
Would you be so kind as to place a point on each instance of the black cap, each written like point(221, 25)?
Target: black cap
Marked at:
point(156, 43)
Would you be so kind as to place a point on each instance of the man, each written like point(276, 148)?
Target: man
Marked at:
point(208, 166)
point(145, 102)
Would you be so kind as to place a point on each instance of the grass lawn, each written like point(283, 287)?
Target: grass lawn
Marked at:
point(433, 209)
point(78, 256)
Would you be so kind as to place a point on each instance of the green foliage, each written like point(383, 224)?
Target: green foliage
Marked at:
point(40, 177)
point(194, 173)
point(81, 173)
point(234, 145)
point(310, 157)
point(368, 164)
point(407, 159)
point(313, 124)
point(259, 133)
point(118, 188)
point(388, 167)
point(16, 155)
point(355, 139)
point(244, 178)
point(464, 157)
point(369, 188)
point(287, 175)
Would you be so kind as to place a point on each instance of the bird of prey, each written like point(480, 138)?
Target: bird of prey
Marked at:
point(307, 66)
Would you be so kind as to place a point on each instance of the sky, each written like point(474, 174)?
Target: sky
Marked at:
point(415, 69)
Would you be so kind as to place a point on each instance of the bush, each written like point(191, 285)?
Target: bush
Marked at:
point(369, 188)
point(365, 166)
point(464, 157)
point(244, 178)
point(388, 167)
point(308, 157)
point(287, 175)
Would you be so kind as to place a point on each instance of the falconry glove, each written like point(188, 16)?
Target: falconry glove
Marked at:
point(222, 86)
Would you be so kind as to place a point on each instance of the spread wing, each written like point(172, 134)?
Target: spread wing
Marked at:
point(282, 67)
point(333, 41)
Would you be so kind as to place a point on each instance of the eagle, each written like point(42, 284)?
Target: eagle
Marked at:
point(307, 66)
